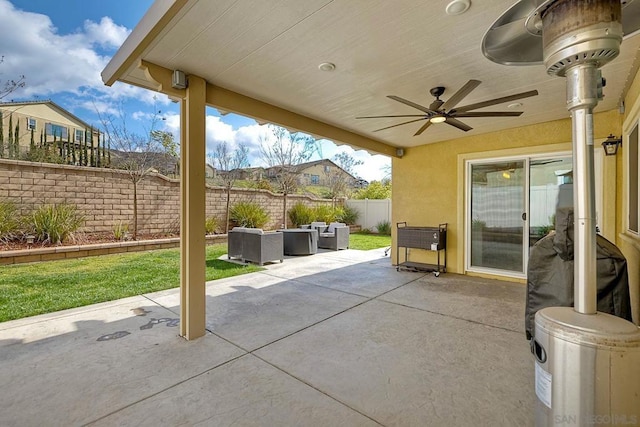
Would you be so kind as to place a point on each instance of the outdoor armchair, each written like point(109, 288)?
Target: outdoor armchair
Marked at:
point(260, 247)
point(234, 242)
point(335, 237)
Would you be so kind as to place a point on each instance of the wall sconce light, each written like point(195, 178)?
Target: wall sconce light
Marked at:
point(611, 145)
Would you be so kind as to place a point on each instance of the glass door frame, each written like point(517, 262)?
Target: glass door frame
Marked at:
point(526, 159)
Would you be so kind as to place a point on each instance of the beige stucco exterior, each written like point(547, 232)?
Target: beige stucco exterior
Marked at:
point(42, 112)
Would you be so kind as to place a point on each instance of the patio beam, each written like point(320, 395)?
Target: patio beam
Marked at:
point(192, 210)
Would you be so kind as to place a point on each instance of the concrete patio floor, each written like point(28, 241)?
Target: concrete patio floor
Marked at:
point(333, 339)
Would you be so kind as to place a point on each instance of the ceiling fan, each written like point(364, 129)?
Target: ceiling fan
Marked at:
point(445, 112)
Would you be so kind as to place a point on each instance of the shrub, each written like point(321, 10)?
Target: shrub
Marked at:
point(375, 190)
point(55, 223)
point(120, 231)
point(323, 213)
point(211, 225)
point(349, 215)
point(9, 222)
point(384, 227)
point(248, 214)
point(300, 214)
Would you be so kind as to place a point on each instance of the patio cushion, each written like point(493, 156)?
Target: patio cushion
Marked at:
point(334, 225)
point(254, 230)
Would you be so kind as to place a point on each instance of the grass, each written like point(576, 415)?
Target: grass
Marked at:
point(368, 241)
point(31, 289)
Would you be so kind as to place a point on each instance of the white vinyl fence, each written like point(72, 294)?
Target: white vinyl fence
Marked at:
point(372, 212)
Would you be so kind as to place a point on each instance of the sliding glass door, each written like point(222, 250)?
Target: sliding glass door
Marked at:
point(511, 205)
point(496, 214)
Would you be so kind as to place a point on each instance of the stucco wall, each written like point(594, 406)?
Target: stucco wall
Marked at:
point(428, 182)
point(629, 243)
point(105, 196)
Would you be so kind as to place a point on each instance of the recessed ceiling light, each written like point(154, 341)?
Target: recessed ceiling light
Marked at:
point(515, 105)
point(457, 7)
point(327, 66)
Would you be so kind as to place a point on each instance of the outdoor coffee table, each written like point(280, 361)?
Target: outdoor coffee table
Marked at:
point(298, 241)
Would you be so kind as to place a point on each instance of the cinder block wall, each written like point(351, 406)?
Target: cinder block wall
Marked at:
point(105, 196)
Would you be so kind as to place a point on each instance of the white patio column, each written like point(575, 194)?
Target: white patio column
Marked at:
point(192, 210)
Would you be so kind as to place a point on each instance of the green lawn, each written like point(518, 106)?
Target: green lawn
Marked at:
point(31, 289)
point(367, 241)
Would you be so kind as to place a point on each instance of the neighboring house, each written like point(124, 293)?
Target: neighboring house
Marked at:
point(44, 120)
point(209, 171)
point(315, 173)
point(254, 174)
point(322, 173)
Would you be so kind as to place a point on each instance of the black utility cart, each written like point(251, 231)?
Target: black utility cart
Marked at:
point(426, 238)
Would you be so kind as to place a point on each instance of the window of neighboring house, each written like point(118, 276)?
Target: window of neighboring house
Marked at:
point(315, 179)
point(634, 208)
point(56, 130)
point(327, 168)
point(31, 123)
point(79, 135)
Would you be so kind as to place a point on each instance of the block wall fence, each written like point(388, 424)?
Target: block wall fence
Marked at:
point(105, 196)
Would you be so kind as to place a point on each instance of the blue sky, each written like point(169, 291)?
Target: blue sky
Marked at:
point(62, 46)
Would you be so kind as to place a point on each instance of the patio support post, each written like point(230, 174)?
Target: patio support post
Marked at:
point(192, 210)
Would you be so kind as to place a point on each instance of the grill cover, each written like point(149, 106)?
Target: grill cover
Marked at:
point(550, 274)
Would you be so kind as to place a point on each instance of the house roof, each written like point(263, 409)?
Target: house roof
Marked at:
point(262, 59)
point(51, 104)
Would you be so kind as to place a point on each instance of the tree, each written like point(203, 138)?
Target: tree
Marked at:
point(11, 85)
point(283, 151)
point(137, 154)
point(375, 190)
point(337, 181)
point(230, 165)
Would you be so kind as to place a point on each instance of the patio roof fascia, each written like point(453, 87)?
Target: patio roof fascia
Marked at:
point(154, 21)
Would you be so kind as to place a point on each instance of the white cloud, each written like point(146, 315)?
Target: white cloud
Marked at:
point(105, 33)
point(54, 63)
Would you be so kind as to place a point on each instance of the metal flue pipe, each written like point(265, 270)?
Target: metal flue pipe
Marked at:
point(581, 99)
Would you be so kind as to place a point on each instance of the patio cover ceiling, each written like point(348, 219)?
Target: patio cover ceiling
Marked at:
point(263, 56)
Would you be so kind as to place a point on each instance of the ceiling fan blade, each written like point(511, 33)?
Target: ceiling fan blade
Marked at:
point(497, 101)
point(458, 124)
point(400, 124)
point(423, 128)
point(435, 105)
point(489, 114)
point(411, 104)
point(460, 94)
point(382, 117)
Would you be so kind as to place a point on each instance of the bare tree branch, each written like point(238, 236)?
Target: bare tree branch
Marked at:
point(230, 165)
point(10, 86)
